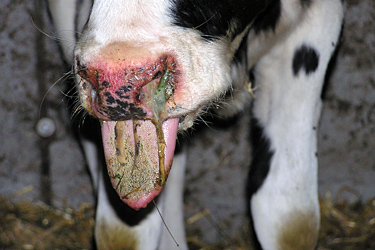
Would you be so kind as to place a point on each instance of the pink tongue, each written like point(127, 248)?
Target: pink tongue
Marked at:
point(132, 155)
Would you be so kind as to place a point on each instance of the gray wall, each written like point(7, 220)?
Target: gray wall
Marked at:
point(30, 89)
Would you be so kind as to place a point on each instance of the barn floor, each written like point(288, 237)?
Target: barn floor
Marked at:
point(36, 226)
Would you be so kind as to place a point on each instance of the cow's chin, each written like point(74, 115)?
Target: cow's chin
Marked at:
point(139, 155)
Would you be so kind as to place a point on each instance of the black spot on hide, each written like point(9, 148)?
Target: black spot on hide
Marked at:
point(307, 58)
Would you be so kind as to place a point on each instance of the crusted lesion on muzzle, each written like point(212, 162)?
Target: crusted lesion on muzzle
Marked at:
point(129, 92)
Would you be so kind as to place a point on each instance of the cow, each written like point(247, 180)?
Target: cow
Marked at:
point(147, 69)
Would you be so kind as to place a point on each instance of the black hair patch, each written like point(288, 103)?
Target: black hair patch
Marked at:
point(262, 156)
point(216, 18)
point(267, 19)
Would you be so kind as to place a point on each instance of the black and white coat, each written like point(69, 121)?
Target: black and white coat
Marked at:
point(220, 48)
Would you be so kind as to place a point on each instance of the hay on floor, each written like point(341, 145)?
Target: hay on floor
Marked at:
point(28, 226)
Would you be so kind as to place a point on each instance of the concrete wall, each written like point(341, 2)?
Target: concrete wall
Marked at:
point(51, 169)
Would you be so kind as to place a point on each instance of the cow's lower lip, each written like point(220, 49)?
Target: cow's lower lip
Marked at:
point(134, 152)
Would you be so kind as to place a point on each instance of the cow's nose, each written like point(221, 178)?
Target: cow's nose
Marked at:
point(119, 90)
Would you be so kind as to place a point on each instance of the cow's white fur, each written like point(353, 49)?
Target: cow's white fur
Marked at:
point(289, 194)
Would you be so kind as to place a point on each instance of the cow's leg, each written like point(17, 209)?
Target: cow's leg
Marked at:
point(120, 227)
point(69, 17)
point(283, 177)
point(63, 14)
point(174, 206)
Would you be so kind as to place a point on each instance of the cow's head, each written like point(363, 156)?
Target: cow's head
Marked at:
point(145, 69)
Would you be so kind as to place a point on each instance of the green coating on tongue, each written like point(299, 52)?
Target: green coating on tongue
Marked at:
point(163, 92)
point(160, 93)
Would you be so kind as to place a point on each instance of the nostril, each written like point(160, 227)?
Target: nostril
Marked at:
point(138, 98)
point(157, 75)
point(81, 68)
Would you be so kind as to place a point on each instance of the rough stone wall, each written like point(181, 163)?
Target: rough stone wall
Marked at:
point(50, 169)
point(31, 65)
point(347, 132)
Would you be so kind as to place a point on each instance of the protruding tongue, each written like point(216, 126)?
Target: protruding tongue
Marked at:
point(139, 155)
